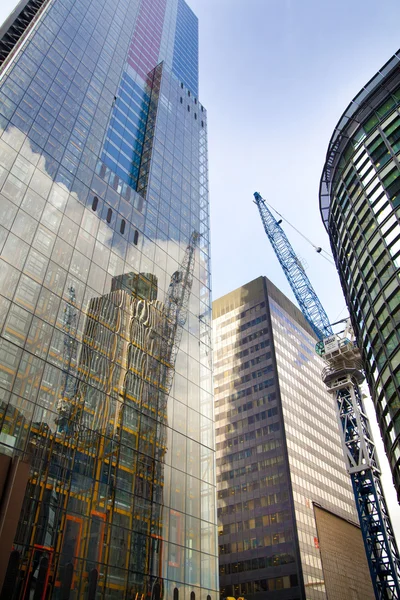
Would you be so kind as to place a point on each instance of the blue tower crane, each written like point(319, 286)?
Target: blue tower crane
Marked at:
point(305, 295)
point(342, 377)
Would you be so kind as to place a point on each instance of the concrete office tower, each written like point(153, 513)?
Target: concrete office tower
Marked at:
point(360, 207)
point(107, 476)
point(286, 514)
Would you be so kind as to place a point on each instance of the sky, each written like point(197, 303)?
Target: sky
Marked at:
point(275, 77)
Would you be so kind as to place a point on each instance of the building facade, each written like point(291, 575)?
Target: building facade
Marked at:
point(106, 421)
point(360, 206)
point(281, 476)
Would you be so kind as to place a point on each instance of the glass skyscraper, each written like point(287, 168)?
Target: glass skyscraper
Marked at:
point(106, 413)
point(288, 527)
point(360, 207)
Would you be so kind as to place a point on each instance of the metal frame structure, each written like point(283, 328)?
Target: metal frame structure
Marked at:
point(176, 308)
point(308, 300)
point(69, 355)
point(343, 376)
point(21, 19)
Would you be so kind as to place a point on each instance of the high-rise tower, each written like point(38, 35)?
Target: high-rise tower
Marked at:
point(106, 419)
point(360, 206)
point(287, 521)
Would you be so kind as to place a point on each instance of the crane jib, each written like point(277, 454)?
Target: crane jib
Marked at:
point(305, 295)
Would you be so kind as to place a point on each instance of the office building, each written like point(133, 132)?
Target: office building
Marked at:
point(288, 527)
point(107, 478)
point(360, 207)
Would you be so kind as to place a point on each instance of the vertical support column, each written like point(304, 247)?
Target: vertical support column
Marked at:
point(363, 468)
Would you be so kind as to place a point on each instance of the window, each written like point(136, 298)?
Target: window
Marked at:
point(122, 226)
point(95, 203)
point(182, 85)
point(189, 93)
point(109, 215)
point(181, 103)
point(115, 182)
point(386, 107)
point(136, 237)
point(195, 116)
point(202, 123)
point(195, 101)
point(192, 596)
point(188, 108)
point(380, 155)
point(176, 594)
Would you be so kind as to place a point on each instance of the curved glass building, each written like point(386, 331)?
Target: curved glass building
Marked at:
point(360, 206)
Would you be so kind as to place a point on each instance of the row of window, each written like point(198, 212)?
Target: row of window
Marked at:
point(374, 266)
point(241, 328)
point(257, 541)
point(253, 564)
point(258, 387)
point(249, 435)
point(255, 361)
point(248, 452)
point(248, 505)
point(109, 217)
point(273, 479)
point(253, 468)
point(119, 185)
point(240, 380)
point(246, 406)
point(246, 313)
point(253, 322)
point(230, 360)
point(245, 365)
point(195, 114)
point(354, 271)
point(263, 585)
point(195, 99)
point(254, 523)
point(249, 338)
point(244, 423)
point(371, 123)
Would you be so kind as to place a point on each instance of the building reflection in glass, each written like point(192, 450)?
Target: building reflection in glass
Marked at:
point(97, 486)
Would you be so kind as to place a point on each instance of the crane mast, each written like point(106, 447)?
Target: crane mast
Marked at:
point(342, 377)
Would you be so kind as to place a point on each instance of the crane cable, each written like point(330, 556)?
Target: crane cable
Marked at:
point(318, 249)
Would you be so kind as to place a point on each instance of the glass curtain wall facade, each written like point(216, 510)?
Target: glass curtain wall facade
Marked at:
point(279, 454)
point(360, 206)
point(105, 360)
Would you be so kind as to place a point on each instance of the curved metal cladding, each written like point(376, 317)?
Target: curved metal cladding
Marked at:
point(106, 411)
point(360, 206)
